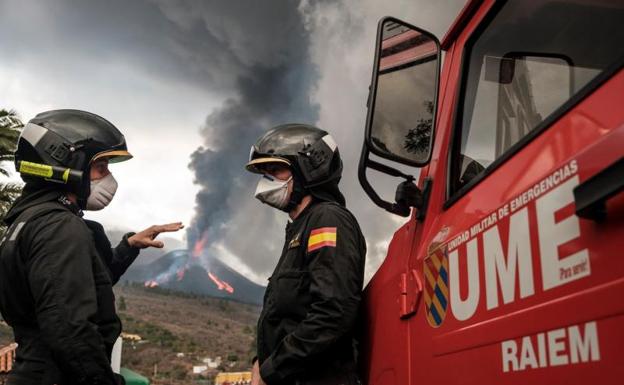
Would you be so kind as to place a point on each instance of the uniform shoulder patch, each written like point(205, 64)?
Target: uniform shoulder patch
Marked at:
point(322, 237)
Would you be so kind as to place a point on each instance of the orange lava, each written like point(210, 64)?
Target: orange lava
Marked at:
point(221, 285)
point(199, 246)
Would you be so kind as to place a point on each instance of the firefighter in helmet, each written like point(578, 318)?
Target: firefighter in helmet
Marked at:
point(306, 328)
point(56, 268)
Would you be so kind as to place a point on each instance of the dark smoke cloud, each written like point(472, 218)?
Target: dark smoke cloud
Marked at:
point(151, 64)
point(273, 89)
point(318, 75)
point(266, 99)
point(68, 36)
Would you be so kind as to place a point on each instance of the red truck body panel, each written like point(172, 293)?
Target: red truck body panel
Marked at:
point(535, 294)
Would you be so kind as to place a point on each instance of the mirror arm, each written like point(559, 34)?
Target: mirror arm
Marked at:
point(426, 193)
point(388, 170)
point(394, 208)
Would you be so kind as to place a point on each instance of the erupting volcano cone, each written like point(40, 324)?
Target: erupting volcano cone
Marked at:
point(181, 270)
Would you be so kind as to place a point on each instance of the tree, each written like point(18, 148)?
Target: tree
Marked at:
point(10, 128)
point(417, 139)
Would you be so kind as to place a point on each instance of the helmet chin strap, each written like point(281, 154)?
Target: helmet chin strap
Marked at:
point(297, 195)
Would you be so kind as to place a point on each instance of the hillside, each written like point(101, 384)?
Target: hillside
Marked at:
point(178, 331)
point(198, 327)
point(182, 271)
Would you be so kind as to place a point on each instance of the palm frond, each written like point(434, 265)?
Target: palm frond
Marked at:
point(9, 133)
point(10, 188)
point(10, 125)
point(9, 192)
point(10, 118)
point(7, 145)
point(10, 129)
point(5, 112)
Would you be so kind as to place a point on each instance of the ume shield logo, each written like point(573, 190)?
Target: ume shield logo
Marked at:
point(436, 292)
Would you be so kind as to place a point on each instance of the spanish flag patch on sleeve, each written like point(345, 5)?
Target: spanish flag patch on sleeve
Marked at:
point(322, 237)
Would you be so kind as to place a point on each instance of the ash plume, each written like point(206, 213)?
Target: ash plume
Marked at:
point(286, 61)
point(318, 74)
point(156, 68)
point(271, 90)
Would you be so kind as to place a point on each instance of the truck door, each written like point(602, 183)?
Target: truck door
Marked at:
point(521, 258)
point(407, 59)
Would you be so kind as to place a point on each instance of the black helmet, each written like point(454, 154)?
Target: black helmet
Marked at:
point(307, 149)
point(58, 147)
point(311, 154)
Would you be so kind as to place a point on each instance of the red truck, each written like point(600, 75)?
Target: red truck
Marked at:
point(510, 269)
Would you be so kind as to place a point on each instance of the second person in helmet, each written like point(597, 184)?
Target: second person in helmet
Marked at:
point(306, 327)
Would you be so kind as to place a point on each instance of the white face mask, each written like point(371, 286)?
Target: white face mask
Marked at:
point(102, 192)
point(273, 191)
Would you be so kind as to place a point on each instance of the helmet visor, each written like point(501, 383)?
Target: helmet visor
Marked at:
point(114, 156)
point(255, 165)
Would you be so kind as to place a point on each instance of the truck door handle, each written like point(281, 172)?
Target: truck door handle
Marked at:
point(591, 195)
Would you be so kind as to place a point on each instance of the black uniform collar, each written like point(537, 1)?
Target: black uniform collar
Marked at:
point(35, 196)
point(294, 223)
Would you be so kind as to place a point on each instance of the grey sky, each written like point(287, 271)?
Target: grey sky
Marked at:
point(175, 76)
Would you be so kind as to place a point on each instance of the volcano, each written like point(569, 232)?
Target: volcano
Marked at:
point(178, 270)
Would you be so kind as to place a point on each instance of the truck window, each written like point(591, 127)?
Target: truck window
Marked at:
point(521, 68)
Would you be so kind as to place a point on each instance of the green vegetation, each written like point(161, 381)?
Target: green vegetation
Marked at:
point(10, 128)
point(178, 372)
point(157, 335)
point(224, 305)
point(121, 304)
point(179, 331)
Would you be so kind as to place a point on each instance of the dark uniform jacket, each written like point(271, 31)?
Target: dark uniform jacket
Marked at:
point(306, 328)
point(56, 277)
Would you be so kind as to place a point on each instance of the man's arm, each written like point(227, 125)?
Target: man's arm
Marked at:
point(123, 256)
point(61, 281)
point(131, 244)
point(336, 277)
point(117, 259)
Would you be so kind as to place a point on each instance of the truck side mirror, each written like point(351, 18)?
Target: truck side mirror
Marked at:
point(401, 110)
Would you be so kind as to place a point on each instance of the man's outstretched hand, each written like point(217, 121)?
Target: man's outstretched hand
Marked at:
point(146, 238)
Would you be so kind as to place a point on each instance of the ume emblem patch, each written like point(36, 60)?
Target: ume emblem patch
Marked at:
point(436, 292)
